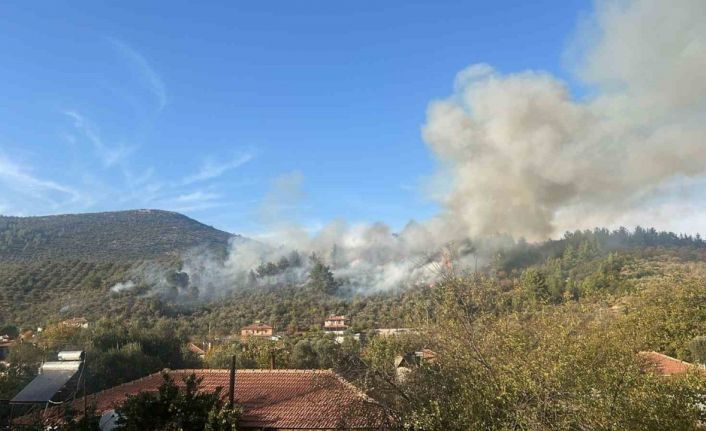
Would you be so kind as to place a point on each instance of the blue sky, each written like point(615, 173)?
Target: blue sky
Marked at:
point(203, 109)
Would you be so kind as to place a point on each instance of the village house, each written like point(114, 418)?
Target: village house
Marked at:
point(405, 363)
point(271, 399)
point(666, 365)
point(256, 329)
point(336, 324)
point(76, 322)
point(196, 350)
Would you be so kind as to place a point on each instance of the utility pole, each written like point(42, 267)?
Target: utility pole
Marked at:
point(231, 390)
point(85, 406)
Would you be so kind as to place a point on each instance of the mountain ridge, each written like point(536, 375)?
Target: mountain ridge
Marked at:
point(114, 235)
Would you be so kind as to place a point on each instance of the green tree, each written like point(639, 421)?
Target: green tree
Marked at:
point(223, 419)
point(321, 278)
point(697, 347)
point(10, 331)
point(560, 368)
point(172, 408)
point(303, 355)
point(535, 284)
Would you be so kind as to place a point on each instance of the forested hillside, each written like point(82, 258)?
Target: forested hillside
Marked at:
point(110, 236)
point(37, 292)
point(41, 291)
point(528, 341)
point(57, 266)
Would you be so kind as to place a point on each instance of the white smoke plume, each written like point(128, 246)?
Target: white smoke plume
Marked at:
point(528, 159)
point(365, 259)
point(521, 156)
point(123, 286)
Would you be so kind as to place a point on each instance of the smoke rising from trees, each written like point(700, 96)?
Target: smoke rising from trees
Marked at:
point(521, 156)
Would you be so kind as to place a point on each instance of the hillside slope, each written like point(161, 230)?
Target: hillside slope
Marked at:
point(123, 235)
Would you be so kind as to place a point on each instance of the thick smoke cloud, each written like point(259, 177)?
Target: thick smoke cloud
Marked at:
point(518, 155)
point(365, 258)
point(528, 159)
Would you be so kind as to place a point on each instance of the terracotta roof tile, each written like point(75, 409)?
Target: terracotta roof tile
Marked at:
point(256, 327)
point(666, 365)
point(279, 399)
point(193, 348)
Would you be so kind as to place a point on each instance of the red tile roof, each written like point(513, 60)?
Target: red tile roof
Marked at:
point(256, 327)
point(337, 318)
point(666, 365)
point(193, 348)
point(426, 355)
point(276, 399)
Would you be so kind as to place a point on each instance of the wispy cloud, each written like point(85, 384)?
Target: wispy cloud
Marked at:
point(195, 201)
point(126, 186)
point(109, 155)
point(198, 196)
point(20, 178)
point(213, 169)
point(142, 67)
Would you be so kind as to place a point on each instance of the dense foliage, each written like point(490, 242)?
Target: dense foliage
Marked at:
point(543, 367)
point(583, 245)
point(36, 293)
point(174, 409)
point(543, 337)
point(115, 353)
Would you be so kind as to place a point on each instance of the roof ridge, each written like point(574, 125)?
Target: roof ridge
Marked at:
point(224, 371)
point(213, 371)
point(352, 387)
point(252, 370)
point(668, 357)
point(293, 406)
point(131, 382)
point(200, 370)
